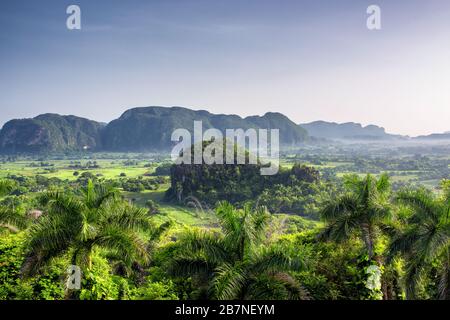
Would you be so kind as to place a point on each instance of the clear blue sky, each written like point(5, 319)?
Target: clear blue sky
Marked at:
point(310, 59)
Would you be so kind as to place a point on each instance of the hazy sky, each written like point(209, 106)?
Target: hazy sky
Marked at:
point(311, 60)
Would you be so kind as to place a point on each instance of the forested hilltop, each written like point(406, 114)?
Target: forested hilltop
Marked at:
point(50, 133)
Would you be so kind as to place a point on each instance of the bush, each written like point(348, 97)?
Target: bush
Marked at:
point(48, 285)
point(156, 291)
point(153, 207)
point(100, 284)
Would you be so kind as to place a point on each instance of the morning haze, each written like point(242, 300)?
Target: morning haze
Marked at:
point(310, 60)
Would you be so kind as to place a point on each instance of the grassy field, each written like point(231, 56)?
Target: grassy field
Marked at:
point(204, 217)
point(168, 211)
point(113, 168)
point(108, 169)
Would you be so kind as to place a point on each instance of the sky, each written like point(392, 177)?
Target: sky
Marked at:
point(310, 60)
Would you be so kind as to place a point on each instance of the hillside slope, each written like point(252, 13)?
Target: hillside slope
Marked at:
point(50, 133)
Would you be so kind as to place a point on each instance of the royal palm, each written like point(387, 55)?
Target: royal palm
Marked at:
point(424, 240)
point(360, 212)
point(77, 224)
point(239, 262)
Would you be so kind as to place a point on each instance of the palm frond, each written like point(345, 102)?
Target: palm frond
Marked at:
point(413, 278)
point(389, 228)
point(186, 266)
point(96, 195)
point(277, 258)
point(353, 183)
point(444, 279)
point(383, 184)
point(402, 243)
point(422, 202)
point(229, 217)
point(341, 229)
point(295, 289)
point(204, 242)
point(336, 208)
point(125, 216)
point(6, 186)
point(379, 212)
point(260, 219)
point(445, 185)
point(12, 219)
point(229, 281)
point(366, 192)
point(48, 239)
point(431, 243)
point(276, 286)
point(59, 203)
point(127, 244)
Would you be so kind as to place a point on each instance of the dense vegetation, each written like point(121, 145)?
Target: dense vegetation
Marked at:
point(295, 190)
point(303, 234)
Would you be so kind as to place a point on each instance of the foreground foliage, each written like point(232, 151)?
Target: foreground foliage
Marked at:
point(239, 262)
point(424, 241)
point(241, 252)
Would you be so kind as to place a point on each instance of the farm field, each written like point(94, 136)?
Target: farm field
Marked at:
point(64, 169)
point(427, 169)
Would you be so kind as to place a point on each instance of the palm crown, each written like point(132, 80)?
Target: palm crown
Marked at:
point(77, 224)
point(362, 211)
point(425, 239)
point(238, 263)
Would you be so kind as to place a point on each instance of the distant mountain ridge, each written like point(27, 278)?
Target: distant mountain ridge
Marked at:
point(347, 131)
point(150, 129)
point(136, 130)
point(434, 137)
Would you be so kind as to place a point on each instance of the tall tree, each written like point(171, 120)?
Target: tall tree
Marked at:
point(362, 211)
point(239, 262)
point(424, 240)
point(77, 224)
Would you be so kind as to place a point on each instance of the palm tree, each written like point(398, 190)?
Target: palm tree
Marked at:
point(361, 212)
point(424, 240)
point(9, 217)
point(77, 224)
point(237, 263)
